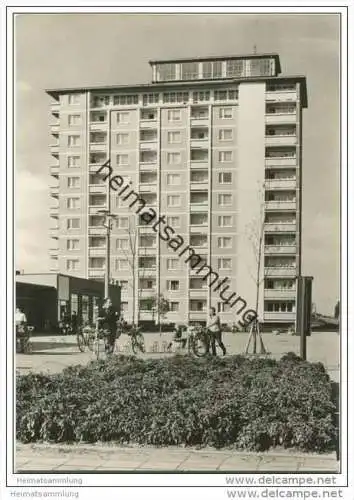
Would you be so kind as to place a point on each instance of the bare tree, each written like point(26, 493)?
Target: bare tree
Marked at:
point(162, 307)
point(255, 234)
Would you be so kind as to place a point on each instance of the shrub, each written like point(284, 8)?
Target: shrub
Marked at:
point(245, 403)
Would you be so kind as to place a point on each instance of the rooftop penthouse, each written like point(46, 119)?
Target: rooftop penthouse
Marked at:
point(210, 68)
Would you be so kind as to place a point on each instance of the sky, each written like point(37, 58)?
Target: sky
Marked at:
point(71, 50)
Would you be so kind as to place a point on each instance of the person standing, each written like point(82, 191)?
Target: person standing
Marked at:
point(214, 328)
point(109, 318)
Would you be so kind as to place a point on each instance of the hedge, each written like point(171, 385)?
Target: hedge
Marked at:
point(238, 402)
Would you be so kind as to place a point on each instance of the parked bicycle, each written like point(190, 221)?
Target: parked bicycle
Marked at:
point(135, 335)
point(193, 338)
point(91, 337)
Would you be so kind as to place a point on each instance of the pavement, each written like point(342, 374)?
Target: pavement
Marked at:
point(52, 354)
point(110, 458)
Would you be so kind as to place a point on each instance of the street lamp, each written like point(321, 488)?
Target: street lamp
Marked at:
point(108, 216)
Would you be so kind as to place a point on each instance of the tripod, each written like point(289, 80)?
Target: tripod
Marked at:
point(255, 334)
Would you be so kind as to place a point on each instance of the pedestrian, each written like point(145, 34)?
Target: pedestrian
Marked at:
point(20, 317)
point(214, 329)
point(74, 322)
point(109, 322)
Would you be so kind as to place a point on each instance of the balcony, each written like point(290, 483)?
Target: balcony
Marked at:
point(98, 188)
point(54, 128)
point(96, 273)
point(199, 180)
point(199, 116)
point(280, 140)
point(53, 252)
point(284, 317)
point(54, 211)
point(54, 148)
point(97, 230)
point(281, 162)
point(198, 222)
point(279, 118)
point(97, 251)
point(280, 183)
point(198, 241)
point(148, 158)
point(289, 96)
point(271, 227)
point(54, 169)
point(54, 232)
point(198, 315)
point(97, 119)
point(280, 249)
point(280, 205)
point(55, 108)
point(99, 147)
point(199, 158)
point(286, 272)
point(54, 191)
point(280, 293)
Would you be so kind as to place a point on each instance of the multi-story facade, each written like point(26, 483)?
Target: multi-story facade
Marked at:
point(213, 144)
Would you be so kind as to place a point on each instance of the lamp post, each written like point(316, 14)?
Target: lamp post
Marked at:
point(108, 225)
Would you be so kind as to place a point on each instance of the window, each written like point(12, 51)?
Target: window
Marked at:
point(172, 264)
point(122, 244)
point(225, 178)
point(73, 140)
point(150, 99)
point(123, 117)
point(173, 158)
point(173, 221)
point(224, 199)
point(212, 69)
point(173, 179)
point(123, 100)
point(223, 307)
point(225, 134)
point(226, 95)
point(174, 137)
point(225, 156)
point(279, 306)
point(201, 96)
point(174, 306)
point(73, 182)
point(173, 97)
point(224, 242)
point(122, 265)
point(124, 307)
point(124, 285)
point(74, 120)
point(97, 262)
point(190, 71)
point(122, 222)
point(225, 113)
point(224, 264)
point(173, 285)
point(100, 100)
point(74, 99)
point(122, 139)
point(173, 200)
point(72, 264)
point(166, 71)
point(72, 244)
point(174, 115)
point(225, 220)
point(73, 161)
point(234, 68)
point(122, 160)
point(73, 203)
point(73, 223)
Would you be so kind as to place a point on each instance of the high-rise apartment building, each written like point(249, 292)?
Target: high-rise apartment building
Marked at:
point(212, 144)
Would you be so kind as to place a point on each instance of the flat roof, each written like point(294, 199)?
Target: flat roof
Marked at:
point(218, 58)
point(151, 87)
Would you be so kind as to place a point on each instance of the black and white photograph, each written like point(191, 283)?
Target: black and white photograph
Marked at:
point(176, 264)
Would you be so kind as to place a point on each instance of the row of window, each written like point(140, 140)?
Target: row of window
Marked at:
point(173, 200)
point(172, 264)
point(123, 243)
point(73, 182)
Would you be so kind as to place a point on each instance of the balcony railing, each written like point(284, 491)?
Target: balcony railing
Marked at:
point(280, 183)
point(280, 249)
point(280, 140)
point(280, 293)
point(280, 271)
point(286, 227)
point(281, 205)
point(279, 316)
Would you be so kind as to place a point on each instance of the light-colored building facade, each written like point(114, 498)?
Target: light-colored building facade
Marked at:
point(215, 146)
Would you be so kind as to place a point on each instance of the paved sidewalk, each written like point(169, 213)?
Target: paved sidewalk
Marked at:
point(110, 458)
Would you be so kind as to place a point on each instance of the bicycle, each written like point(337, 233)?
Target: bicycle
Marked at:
point(90, 337)
point(136, 337)
point(23, 344)
point(198, 341)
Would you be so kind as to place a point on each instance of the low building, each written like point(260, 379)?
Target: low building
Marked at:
point(44, 297)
